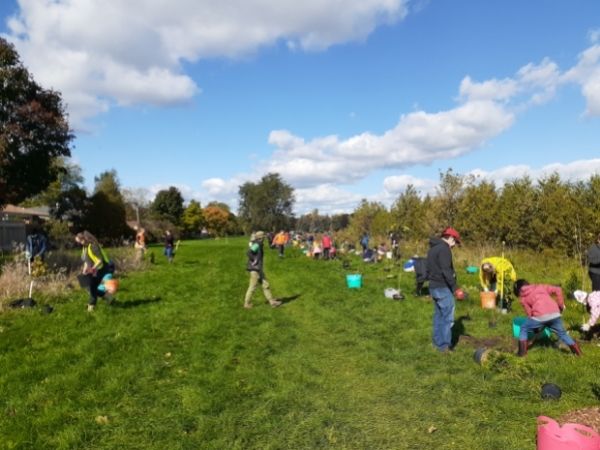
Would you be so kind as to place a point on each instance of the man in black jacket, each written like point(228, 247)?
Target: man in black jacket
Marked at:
point(594, 264)
point(442, 285)
point(257, 275)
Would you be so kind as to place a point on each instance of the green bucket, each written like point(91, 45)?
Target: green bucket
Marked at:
point(519, 321)
point(354, 281)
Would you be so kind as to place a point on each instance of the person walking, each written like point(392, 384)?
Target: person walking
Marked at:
point(543, 305)
point(169, 246)
point(442, 286)
point(255, 268)
point(593, 256)
point(280, 241)
point(327, 243)
point(96, 265)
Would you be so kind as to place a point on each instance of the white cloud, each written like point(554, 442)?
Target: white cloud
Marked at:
point(327, 198)
point(101, 51)
point(418, 138)
point(398, 183)
point(579, 170)
point(587, 74)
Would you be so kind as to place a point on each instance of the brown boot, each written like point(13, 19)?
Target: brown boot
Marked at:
point(575, 349)
point(522, 348)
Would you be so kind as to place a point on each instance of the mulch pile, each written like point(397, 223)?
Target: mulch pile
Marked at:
point(586, 416)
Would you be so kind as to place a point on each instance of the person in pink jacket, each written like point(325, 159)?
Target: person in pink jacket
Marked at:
point(543, 305)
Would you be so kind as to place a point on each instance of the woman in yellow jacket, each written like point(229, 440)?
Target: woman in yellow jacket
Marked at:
point(96, 264)
point(498, 274)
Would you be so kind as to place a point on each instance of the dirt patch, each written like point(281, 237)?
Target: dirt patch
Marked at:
point(586, 416)
point(500, 343)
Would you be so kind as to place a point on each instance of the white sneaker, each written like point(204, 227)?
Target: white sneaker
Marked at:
point(91, 308)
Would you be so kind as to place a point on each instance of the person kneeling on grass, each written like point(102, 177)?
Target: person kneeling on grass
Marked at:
point(257, 274)
point(543, 305)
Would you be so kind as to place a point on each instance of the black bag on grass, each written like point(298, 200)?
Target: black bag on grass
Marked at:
point(22, 303)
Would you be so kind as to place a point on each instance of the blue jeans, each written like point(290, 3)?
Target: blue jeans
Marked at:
point(443, 317)
point(555, 325)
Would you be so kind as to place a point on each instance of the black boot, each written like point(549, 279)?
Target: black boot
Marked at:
point(522, 348)
point(575, 349)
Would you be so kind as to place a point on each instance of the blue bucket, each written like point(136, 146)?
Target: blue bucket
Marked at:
point(518, 321)
point(354, 281)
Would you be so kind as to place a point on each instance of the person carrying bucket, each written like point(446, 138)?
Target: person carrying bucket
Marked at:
point(543, 305)
point(257, 275)
point(442, 287)
point(96, 265)
point(497, 275)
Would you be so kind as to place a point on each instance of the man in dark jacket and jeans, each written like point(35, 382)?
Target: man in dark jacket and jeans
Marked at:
point(257, 275)
point(594, 264)
point(442, 285)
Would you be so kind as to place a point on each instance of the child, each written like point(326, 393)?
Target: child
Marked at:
point(542, 310)
point(592, 301)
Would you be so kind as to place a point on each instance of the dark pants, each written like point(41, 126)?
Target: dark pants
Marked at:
point(595, 277)
point(281, 248)
point(95, 281)
point(326, 253)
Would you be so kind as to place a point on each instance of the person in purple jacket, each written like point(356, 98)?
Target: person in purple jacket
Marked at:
point(543, 305)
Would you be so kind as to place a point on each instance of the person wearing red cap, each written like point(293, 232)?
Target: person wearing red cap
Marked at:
point(442, 286)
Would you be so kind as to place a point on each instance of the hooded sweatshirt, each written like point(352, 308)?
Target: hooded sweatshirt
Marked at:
point(440, 269)
point(538, 302)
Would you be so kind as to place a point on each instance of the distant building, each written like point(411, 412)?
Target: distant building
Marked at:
point(14, 221)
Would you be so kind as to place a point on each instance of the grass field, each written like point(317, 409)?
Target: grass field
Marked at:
point(177, 363)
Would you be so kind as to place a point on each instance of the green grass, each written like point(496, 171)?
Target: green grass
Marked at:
point(177, 363)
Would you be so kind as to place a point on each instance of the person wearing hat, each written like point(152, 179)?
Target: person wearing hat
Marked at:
point(592, 303)
point(257, 275)
point(442, 286)
point(543, 305)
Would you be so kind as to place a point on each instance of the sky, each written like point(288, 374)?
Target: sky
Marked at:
point(345, 99)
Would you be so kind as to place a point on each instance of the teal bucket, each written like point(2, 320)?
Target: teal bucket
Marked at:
point(354, 281)
point(516, 325)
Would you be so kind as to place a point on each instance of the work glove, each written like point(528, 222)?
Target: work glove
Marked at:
point(585, 327)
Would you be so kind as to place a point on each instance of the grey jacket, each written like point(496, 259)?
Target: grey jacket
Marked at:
point(594, 258)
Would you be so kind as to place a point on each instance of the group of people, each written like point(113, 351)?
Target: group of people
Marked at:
point(543, 303)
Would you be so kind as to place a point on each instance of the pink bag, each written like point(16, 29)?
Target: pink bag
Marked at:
point(571, 436)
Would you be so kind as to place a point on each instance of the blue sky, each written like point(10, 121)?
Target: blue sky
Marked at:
point(347, 100)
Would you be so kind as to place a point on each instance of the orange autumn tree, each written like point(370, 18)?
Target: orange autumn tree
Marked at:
point(216, 219)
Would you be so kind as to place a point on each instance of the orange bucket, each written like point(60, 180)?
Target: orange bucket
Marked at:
point(111, 285)
point(488, 300)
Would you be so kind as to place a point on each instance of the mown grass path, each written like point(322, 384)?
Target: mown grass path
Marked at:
point(177, 363)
